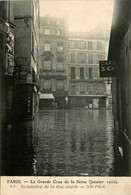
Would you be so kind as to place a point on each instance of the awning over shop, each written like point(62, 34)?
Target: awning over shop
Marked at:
point(46, 96)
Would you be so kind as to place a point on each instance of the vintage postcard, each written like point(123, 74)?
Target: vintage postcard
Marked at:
point(65, 97)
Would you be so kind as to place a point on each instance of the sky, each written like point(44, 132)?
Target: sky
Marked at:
point(83, 15)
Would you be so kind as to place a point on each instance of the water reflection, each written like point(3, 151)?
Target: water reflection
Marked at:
point(20, 143)
point(75, 142)
point(61, 143)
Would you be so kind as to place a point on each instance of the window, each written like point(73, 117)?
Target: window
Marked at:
point(47, 85)
point(90, 45)
point(81, 72)
point(99, 46)
point(90, 73)
point(47, 47)
point(59, 48)
point(72, 44)
point(73, 89)
point(46, 30)
point(81, 58)
point(60, 66)
point(60, 85)
point(82, 44)
point(59, 32)
point(72, 72)
point(47, 65)
point(95, 73)
point(47, 21)
point(90, 58)
point(72, 60)
point(60, 58)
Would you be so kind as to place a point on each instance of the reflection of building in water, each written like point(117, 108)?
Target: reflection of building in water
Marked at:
point(20, 145)
point(86, 88)
point(53, 71)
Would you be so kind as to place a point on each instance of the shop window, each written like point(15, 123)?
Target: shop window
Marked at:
point(73, 73)
point(81, 72)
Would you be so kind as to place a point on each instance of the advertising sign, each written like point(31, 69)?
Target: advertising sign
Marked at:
point(107, 69)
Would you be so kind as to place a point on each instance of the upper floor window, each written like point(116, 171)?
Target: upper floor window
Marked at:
point(72, 44)
point(59, 32)
point(60, 58)
point(73, 73)
point(82, 44)
point(46, 30)
point(99, 46)
point(81, 72)
point(60, 85)
point(59, 48)
point(47, 21)
point(81, 57)
point(90, 45)
point(47, 65)
point(47, 47)
point(90, 58)
point(90, 73)
point(72, 59)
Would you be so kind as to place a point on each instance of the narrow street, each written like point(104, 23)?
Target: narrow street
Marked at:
point(62, 142)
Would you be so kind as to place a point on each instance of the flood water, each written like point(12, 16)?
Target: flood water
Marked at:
point(61, 143)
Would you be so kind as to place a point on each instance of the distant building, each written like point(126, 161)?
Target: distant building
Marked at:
point(53, 70)
point(25, 99)
point(85, 87)
point(6, 60)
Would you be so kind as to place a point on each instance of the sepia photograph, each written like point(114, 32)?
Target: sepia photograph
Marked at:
point(65, 89)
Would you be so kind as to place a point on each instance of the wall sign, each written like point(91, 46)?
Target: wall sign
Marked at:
point(107, 69)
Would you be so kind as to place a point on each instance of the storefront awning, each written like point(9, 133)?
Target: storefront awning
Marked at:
point(46, 96)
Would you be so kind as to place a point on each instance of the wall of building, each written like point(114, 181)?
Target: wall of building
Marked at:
point(120, 53)
point(84, 55)
point(53, 51)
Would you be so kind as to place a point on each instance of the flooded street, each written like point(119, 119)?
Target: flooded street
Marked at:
point(62, 143)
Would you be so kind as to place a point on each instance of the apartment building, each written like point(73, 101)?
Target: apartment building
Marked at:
point(53, 70)
point(26, 88)
point(85, 87)
point(6, 61)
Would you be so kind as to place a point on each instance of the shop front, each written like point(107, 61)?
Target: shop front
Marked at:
point(46, 100)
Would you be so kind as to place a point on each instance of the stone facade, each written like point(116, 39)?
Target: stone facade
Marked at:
point(6, 61)
point(53, 52)
point(26, 73)
point(86, 88)
point(120, 53)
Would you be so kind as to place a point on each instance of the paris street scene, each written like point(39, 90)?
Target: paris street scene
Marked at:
point(65, 88)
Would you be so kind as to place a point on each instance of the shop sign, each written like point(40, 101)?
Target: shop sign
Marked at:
point(107, 69)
